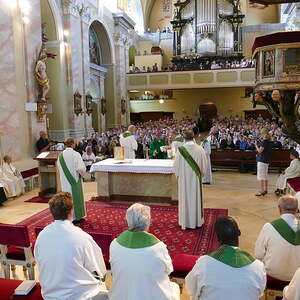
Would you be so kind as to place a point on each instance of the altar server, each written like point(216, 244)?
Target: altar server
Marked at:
point(12, 173)
point(140, 262)
point(71, 264)
point(229, 272)
point(189, 166)
point(278, 244)
point(127, 140)
point(71, 168)
point(291, 172)
point(9, 185)
point(206, 144)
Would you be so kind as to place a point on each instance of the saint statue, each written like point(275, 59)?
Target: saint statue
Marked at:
point(41, 75)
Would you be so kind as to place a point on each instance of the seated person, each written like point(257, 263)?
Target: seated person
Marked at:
point(3, 197)
point(43, 143)
point(9, 184)
point(12, 173)
point(229, 272)
point(292, 291)
point(70, 262)
point(291, 172)
point(277, 245)
point(140, 263)
point(88, 157)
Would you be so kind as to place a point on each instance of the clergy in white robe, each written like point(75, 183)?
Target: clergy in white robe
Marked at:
point(189, 167)
point(206, 144)
point(70, 263)
point(9, 184)
point(176, 143)
point(12, 173)
point(278, 244)
point(292, 291)
point(229, 272)
point(127, 140)
point(291, 172)
point(71, 167)
point(140, 263)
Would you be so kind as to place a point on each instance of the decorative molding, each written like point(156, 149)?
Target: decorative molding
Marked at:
point(124, 21)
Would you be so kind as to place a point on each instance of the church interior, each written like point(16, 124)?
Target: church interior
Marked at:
point(189, 107)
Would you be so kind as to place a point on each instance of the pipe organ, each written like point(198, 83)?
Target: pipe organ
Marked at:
point(207, 27)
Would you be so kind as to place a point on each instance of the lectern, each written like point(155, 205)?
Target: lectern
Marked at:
point(48, 173)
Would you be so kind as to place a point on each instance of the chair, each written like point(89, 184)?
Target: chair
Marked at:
point(182, 264)
point(37, 230)
point(16, 249)
point(103, 240)
point(274, 287)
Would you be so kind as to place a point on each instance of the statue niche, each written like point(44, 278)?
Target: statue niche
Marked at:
point(94, 47)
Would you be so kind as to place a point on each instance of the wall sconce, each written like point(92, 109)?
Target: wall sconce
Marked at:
point(88, 103)
point(77, 103)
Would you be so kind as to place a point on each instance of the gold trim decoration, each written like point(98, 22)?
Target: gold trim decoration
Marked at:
point(41, 111)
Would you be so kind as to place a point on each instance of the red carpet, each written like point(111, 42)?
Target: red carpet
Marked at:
point(38, 200)
point(110, 218)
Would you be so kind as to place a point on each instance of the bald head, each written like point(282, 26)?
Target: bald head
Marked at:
point(288, 204)
point(131, 128)
point(189, 135)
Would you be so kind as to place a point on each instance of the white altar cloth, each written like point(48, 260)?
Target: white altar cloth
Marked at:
point(161, 166)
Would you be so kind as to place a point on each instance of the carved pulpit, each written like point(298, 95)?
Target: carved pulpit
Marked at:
point(48, 173)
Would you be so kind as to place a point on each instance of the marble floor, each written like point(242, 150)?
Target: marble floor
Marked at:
point(230, 190)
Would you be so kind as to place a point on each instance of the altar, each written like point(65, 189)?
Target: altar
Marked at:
point(137, 180)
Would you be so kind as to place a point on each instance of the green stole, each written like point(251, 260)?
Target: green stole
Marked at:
point(136, 240)
point(127, 134)
point(189, 159)
point(77, 192)
point(233, 257)
point(287, 232)
point(179, 139)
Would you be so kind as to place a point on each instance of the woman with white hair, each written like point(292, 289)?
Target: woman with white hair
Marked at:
point(140, 262)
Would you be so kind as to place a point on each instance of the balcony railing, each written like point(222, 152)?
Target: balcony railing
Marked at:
point(243, 77)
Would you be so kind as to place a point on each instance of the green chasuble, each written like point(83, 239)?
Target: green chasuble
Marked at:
point(155, 146)
point(287, 232)
point(135, 240)
point(77, 192)
point(127, 134)
point(233, 257)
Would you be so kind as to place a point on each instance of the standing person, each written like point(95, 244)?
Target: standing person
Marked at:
point(71, 167)
point(155, 151)
point(189, 166)
point(291, 172)
point(70, 262)
point(129, 143)
point(227, 271)
point(206, 144)
point(263, 159)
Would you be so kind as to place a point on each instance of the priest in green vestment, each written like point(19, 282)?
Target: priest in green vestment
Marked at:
point(155, 150)
point(229, 272)
point(71, 168)
point(278, 243)
point(140, 262)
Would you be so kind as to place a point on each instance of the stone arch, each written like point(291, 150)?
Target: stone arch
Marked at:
point(102, 77)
